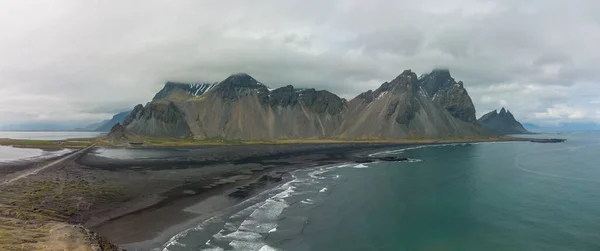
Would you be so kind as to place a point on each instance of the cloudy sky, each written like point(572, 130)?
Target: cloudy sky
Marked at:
point(80, 61)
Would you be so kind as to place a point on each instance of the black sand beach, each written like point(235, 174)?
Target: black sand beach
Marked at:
point(138, 199)
point(208, 178)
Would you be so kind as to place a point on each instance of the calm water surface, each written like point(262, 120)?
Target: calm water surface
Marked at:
point(48, 135)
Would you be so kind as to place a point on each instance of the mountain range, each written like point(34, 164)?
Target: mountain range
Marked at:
point(502, 122)
point(105, 125)
point(433, 105)
point(563, 127)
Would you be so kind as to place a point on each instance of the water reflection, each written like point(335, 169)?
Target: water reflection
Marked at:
point(9, 153)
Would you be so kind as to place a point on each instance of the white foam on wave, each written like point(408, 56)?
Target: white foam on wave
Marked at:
point(270, 210)
point(401, 150)
point(316, 174)
point(242, 236)
point(323, 190)
point(257, 227)
point(213, 249)
point(307, 201)
point(361, 166)
point(245, 245)
point(174, 241)
point(247, 228)
point(267, 248)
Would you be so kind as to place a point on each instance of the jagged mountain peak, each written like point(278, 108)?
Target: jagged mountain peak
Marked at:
point(452, 95)
point(242, 107)
point(403, 82)
point(319, 101)
point(437, 80)
point(238, 85)
point(442, 73)
point(177, 91)
point(406, 75)
point(241, 80)
point(502, 122)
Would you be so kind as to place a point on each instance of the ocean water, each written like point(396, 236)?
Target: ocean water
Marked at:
point(48, 135)
point(460, 197)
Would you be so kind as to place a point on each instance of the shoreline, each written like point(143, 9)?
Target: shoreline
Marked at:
point(176, 219)
point(214, 195)
point(142, 203)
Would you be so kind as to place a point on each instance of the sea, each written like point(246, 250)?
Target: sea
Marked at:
point(49, 135)
point(455, 197)
point(12, 154)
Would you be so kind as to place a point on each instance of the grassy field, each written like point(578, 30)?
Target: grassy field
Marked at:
point(223, 141)
point(47, 144)
point(158, 141)
point(31, 208)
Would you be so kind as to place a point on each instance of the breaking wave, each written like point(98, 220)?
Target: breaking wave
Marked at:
point(273, 215)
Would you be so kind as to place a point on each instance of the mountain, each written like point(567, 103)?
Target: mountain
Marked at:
point(108, 124)
point(92, 127)
point(450, 94)
point(503, 123)
point(563, 127)
point(240, 107)
point(531, 127)
point(157, 118)
point(174, 91)
point(407, 107)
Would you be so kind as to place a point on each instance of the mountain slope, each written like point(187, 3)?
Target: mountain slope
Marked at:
point(502, 123)
point(181, 91)
point(240, 107)
point(94, 126)
point(450, 94)
point(116, 119)
point(401, 109)
point(158, 119)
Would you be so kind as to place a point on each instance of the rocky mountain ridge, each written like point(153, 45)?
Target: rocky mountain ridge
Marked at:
point(240, 107)
point(403, 108)
point(178, 91)
point(502, 122)
point(116, 119)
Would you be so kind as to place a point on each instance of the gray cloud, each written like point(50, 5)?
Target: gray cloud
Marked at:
point(82, 61)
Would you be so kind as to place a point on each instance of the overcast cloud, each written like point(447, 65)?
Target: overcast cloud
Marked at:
point(81, 61)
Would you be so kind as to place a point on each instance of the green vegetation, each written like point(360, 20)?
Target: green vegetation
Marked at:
point(29, 208)
point(45, 144)
point(413, 139)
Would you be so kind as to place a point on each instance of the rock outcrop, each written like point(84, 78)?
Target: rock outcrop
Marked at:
point(240, 107)
point(401, 109)
point(118, 118)
point(450, 94)
point(502, 122)
point(174, 91)
point(157, 118)
point(117, 132)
